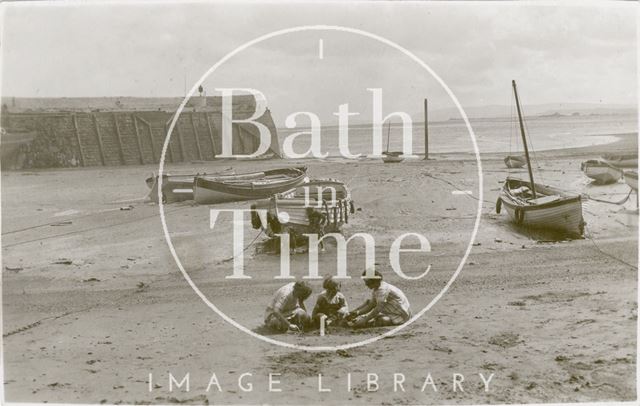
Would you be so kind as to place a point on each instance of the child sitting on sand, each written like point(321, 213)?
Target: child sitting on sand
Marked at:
point(330, 303)
point(287, 310)
point(388, 305)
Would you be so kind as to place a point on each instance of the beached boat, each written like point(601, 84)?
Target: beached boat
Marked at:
point(550, 209)
point(600, 171)
point(391, 157)
point(175, 188)
point(631, 179)
point(514, 161)
point(211, 189)
point(319, 206)
point(533, 205)
point(621, 160)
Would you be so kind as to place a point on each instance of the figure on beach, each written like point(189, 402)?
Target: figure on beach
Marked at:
point(287, 311)
point(388, 305)
point(330, 303)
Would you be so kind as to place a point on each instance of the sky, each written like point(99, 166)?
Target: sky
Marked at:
point(557, 53)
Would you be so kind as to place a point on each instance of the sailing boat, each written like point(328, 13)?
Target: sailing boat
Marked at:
point(533, 205)
point(391, 157)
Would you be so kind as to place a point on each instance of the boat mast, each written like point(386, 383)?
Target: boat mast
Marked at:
point(524, 139)
point(388, 134)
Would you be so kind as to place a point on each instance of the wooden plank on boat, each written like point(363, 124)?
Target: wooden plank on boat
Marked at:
point(211, 135)
point(75, 129)
point(135, 127)
point(99, 136)
point(118, 137)
point(195, 135)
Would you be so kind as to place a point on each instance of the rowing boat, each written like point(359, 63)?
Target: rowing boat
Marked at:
point(175, 188)
point(551, 209)
point(392, 157)
point(533, 205)
point(514, 161)
point(621, 160)
point(319, 206)
point(211, 189)
point(601, 172)
point(631, 179)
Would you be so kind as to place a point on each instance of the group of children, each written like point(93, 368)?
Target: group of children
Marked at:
point(388, 306)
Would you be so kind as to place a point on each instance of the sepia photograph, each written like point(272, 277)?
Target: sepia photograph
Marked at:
point(332, 202)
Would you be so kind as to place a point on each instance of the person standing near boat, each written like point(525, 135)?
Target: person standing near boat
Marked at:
point(388, 305)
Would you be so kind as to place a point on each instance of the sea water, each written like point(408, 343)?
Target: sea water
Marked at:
point(492, 134)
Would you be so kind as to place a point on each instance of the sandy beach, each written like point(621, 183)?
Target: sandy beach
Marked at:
point(93, 302)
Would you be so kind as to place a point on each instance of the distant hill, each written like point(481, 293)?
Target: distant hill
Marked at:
point(551, 109)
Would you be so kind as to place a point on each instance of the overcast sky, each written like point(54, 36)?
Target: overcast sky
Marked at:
point(557, 54)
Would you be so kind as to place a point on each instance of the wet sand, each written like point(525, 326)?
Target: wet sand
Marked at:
point(93, 302)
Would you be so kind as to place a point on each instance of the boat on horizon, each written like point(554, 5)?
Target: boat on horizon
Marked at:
point(211, 189)
point(601, 172)
point(538, 206)
point(621, 160)
point(514, 161)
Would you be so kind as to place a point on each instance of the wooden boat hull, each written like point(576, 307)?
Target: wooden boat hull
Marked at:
point(257, 185)
point(291, 212)
point(392, 157)
point(512, 161)
point(601, 172)
point(631, 179)
point(175, 188)
point(563, 215)
point(621, 160)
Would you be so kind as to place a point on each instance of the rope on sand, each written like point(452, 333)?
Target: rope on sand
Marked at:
point(589, 237)
point(454, 186)
point(243, 251)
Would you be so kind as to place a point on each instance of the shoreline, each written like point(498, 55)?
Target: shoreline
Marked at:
point(623, 142)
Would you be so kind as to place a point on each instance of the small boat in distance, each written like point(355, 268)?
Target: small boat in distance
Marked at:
point(533, 205)
point(211, 189)
point(621, 160)
point(601, 172)
point(391, 157)
point(631, 179)
point(515, 161)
